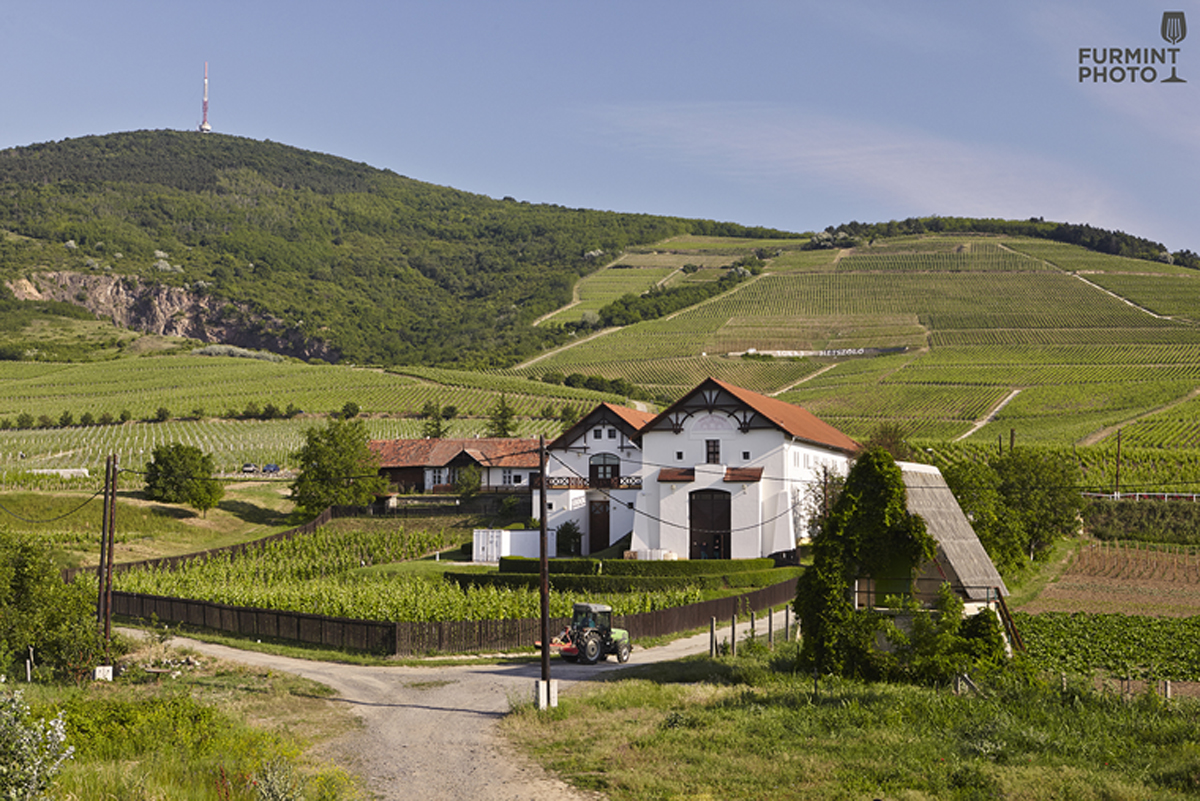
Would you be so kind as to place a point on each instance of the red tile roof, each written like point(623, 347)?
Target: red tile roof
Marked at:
point(490, 452)
point(633, 418)
point(800, 423)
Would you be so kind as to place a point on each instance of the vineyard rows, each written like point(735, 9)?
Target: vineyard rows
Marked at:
point(1175, 295)
point(499, 381)
point(898, 402)
point(1080, 355)
point(1177, 564)
point(230, 442)
point(1017, 375)
point(684, 373)
point(1076, 259)
point(315, 574)
point(979, 259)
point(1133, 339)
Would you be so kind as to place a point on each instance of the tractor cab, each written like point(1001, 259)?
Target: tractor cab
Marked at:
point(591, 616)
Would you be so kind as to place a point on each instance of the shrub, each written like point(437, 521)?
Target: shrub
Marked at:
point(31, 751)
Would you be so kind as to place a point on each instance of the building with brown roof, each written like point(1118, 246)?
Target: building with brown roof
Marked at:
point(729, 474)
point(594, 476)
point(432, 465)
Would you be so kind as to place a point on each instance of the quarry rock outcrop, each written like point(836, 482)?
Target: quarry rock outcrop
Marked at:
point(157, 308)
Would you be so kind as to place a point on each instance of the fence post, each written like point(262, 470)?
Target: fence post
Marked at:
point(733, 632)
point(712, 639)
point(770, 630)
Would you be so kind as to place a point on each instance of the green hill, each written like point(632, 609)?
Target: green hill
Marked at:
point(265, 245)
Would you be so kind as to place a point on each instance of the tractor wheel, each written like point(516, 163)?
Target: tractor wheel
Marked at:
point(591, 649)
point(623, 650)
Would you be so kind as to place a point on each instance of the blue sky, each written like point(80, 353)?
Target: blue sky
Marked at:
point(795, 115)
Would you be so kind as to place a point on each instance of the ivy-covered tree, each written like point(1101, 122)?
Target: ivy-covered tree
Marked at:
point(181, 473)
point(869, 532)
point(337, 468)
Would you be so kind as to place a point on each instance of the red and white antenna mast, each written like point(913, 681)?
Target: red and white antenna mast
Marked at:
point(204, 126)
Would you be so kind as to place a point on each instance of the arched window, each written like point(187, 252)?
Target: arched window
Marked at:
point(604, 467)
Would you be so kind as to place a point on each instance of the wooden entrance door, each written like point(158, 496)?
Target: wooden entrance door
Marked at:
point(709, 520)
point(597, 526)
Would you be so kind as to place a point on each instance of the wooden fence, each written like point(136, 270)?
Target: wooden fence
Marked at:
point(408, 639)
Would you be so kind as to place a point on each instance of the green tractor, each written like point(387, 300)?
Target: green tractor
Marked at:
point(591, 638)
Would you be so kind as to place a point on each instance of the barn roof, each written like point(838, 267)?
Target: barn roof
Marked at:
point(960, 557)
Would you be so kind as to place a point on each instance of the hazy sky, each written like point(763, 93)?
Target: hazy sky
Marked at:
point(795, 115)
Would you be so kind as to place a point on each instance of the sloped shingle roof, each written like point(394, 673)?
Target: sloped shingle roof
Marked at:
point(959, 548)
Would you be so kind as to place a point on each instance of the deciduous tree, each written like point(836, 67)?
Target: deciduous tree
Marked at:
point(183, 474)
point(337, 468)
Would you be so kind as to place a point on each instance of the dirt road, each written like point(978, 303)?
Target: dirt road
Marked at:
point(430, 733)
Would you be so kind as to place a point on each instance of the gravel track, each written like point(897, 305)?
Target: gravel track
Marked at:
point(430, 732)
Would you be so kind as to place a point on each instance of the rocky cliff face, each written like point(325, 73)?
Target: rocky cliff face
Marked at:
point(173, 311)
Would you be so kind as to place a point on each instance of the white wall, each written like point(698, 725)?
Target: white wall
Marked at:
point(763, 517)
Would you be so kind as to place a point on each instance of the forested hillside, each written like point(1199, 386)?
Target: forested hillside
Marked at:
point(383, 268)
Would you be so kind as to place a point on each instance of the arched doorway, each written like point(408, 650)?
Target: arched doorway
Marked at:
point(709, 520)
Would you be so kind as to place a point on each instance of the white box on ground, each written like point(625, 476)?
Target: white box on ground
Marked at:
point(490, 544)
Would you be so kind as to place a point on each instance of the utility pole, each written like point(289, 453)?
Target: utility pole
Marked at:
point(547, 689)
point(103, 543)
point(1117, 492)
point(112, 544)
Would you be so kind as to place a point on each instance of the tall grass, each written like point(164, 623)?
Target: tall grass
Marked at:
point(750, 728)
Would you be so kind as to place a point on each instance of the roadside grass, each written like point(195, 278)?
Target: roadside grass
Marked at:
point(749, 727)
point(206, 730)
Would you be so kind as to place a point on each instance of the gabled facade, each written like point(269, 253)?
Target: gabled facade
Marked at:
point(594, 475)
point(727, 471)
point(432, 465)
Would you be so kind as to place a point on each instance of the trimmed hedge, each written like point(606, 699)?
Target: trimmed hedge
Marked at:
point(632, 567)
point(585, 584)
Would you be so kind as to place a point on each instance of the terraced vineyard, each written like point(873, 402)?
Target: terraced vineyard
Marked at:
point(1171, 295)
point(976, 317)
